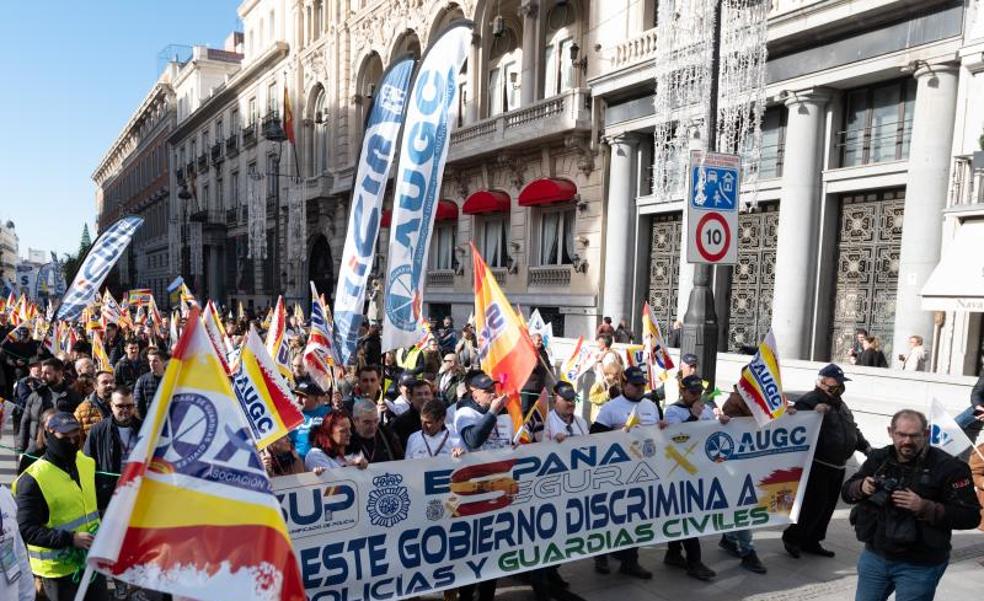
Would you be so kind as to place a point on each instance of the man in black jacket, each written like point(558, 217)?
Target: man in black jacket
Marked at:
point(110, 441)
point(55, 392)
point(837, 441)
point(131, 366)
point(406, 424)
point(909, 497)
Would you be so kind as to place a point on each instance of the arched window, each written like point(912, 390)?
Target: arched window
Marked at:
point(505, 64)
point(320, 137)
point(369, 74)
point(558, 68)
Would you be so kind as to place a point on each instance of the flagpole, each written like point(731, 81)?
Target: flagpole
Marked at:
point(84, 584)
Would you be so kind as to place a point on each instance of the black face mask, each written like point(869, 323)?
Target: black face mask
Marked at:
point(836, 390)
point(62, 449)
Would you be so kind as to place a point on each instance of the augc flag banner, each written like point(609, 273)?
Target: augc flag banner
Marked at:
point(433, 105)
point(504, 346)
point(263, 393)
point(276, 339)
point(410, 528)
point(193, 513)
point(760, 384)
point(375, 161)
point(103, 254)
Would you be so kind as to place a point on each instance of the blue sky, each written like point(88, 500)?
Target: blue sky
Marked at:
point(74, 73)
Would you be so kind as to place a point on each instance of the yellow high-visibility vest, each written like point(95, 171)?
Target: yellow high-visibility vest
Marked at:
point(69, 508)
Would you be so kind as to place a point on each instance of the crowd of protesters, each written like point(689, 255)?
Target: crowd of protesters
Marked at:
point(433, 400)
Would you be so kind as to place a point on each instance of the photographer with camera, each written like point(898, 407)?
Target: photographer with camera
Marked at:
point(909, 497)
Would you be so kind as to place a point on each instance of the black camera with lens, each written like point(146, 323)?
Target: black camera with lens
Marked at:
point(884, 487)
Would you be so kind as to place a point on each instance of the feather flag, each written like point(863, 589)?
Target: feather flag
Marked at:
point(202, 524)
point(263, 393)
point(320, 355)
point(276, 339)
point(760, 384)
point(99, 355)
point(505, 350)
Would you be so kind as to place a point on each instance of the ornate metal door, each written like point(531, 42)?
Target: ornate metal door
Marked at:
point(753, 282)
point(664, 267)
point(867, 269)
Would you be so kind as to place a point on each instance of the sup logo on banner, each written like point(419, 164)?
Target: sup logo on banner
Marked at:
point(389, 503)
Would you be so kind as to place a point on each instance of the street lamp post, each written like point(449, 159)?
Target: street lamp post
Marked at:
point(700, 322)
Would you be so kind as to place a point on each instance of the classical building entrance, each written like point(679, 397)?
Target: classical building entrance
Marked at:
point(867, 274)
point(664, 268)
point(754, 277)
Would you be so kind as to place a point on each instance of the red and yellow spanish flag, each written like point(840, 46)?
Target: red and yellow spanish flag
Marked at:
point(198, 521)
point(288, 123)
point(505, 349)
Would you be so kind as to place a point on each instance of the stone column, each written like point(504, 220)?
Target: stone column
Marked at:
point(620, 228)
point(799, 210)
point(930, 154)
point(530, 11)
point(474, 79)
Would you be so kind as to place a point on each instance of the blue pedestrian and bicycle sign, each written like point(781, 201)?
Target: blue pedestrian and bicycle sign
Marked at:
point(712, 208)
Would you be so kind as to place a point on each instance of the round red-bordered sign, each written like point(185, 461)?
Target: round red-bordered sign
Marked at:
point(707, 255)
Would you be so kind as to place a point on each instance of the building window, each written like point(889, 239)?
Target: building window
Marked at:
point(219, 197)
point(558, 69)
point(878, 123)
point(271, 178)
point(234, 120)
point(442, 249)
point(504, 64)
point(205, 201)
point(204, 141)
point(272, 97)
point(773, 142)
point(492, 239)
point(320, 133)
point(234, 189)
point(219, 132)
point(252, 110)
point(557, 235)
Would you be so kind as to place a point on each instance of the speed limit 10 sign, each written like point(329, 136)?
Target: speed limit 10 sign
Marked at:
point(712, 208)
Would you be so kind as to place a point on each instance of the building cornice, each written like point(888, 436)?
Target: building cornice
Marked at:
point(277, 52)
point(155, 93)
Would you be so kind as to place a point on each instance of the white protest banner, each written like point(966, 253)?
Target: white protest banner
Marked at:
point(432, 107)
point(375, 161)
point(402, 529)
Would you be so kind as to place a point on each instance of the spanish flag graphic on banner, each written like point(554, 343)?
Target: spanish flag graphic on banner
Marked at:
point(504, 346)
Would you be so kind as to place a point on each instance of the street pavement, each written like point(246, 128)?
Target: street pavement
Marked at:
point(806, 579)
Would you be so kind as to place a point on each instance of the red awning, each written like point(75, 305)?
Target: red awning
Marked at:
point(486, 201)
point(547, 190)
point(447, 210)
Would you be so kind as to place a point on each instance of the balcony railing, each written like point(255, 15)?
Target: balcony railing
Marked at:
point(550, 276)
point(550, 117)
point(967, 185)
point(272, 130)
point(635, 50)
point(208, 216)
point(231, 216)
point(216, 153)
point(441, 277)
point(249, 134)
point(232, 145)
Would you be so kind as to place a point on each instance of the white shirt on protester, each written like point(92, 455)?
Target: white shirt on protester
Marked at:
point(556, 425)
point(317, 458)
point(398, 406)
point(501, 435)
point(421, 445)
point(678, 413)
point(21, 589)
point(615, 412)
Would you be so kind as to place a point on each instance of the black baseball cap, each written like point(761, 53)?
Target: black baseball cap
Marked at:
point(408, 378)
point(565, 391)
point(635, 375)
point(693, 382)
point(834, 371)
point(308, 388)
point(63, 423)
point(689, 359)
point(482, 381)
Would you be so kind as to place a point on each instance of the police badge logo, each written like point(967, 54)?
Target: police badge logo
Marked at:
point(435, 510)
point(389, 503)
point(648, 448)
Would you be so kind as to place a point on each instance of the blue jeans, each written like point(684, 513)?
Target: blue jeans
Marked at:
point(879, 577)
point(742, 539)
